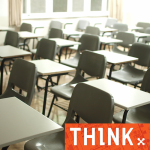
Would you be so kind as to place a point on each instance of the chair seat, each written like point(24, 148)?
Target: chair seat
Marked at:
point(33, 51)
point(116, 50)
point(137, 115)
point(128, 74)
point(53, 141)
point(75, 47)
point(64, 91)
point(73, 62)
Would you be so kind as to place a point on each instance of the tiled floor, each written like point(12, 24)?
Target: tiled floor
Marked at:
point(57, 114)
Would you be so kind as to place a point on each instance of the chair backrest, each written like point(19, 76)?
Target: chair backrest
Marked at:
point(23, 75)
point(12, 38)
point(110, 22)
point(91, 104)
point(26, 27)
point(148, 38)
point(142, 52)
point(144, 25)
point(120, 27)
point(92, 30)
point(89, 42)
point(46, 49)
point(55, 33)
point(82, 24)
point(128, 38)
point(55, 24)
point(146, 82)
point(92, 64)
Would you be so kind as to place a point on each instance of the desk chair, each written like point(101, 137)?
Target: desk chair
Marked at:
point(109, 24)
point(128, 40)
point(129, 74)
point(91, 104)
point(53, 33)
point(12, 39)
point(46, 50)
point(25, 27)
point(81, 26)
point(23, 76)
point(89, 30)
point(121, 27)
point(147, 40)
point(91, 63)
point(88, 42)
point(139, 114)
point(144, 25)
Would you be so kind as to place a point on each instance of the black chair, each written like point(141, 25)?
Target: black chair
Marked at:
point(127, 38)
point(81, 26)
point(91, 104)
point(88, 42)
point(25, 27)
point(139, 114)
point(89, 30)
point(91, 63)
point(53, 33)
point(23, 76)
point(144, 25)
point(12, 39)
point(46, 50)
point(121, 27)
point(129, 74)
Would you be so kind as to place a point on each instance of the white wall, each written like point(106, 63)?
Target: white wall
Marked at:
point(136, 11)
point(3, 18)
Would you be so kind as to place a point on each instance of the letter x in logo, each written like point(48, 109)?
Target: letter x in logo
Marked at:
point(141, 141)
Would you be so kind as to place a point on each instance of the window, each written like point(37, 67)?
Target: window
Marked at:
point(64, 8)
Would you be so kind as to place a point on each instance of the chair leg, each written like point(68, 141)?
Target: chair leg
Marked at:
point(70, 53)
point(58, 77)
point(5, 69)
point(51, 106)
point(5, 148)
point(135, 85)
point(77, 119)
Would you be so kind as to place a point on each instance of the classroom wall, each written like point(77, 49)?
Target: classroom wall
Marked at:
point(136, 11)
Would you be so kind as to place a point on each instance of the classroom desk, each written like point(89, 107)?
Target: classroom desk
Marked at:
point(28, 35)
point(134, 28)
point(104, 30)
point(7, 53)
point(106, 41)
point(115, 59)
point(62, 43)
point(139, 35)
point(50, 68)
point(20, 122)
point(124, 96)
point(2, 28)
point(69, 33)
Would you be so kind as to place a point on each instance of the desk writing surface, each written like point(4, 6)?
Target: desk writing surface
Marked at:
point(2, 28)
point(108, 30)
point(109, 40)
point(48, 67)
point(29, 35)
point(62, 42)
point(8, 51)
point(139, 34)
point(115, 58)
point(124, 96)
point(72, 32)
point(20, 122)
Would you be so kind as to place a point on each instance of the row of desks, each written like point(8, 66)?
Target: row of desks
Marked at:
point(41, 125)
